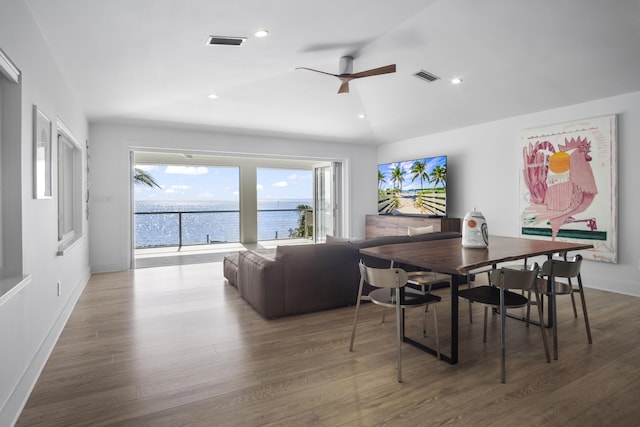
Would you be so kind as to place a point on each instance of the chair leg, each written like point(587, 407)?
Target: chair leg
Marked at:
point(584, 309)
point(573, 300)
point(529, 307)
point(554, 318)
point(503, 369)
point(469, 287)
point(435, 325)
point(545, 341)
point(424, 321)
point(355, 322)
point(484, 334)
point(355, 319)
point(573, 304)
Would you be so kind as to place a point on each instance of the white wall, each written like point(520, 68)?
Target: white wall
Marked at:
point(483, 172)
point(110, 200)
point(32, 319)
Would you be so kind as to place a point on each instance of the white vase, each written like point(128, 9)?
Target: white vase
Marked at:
point(475, 233)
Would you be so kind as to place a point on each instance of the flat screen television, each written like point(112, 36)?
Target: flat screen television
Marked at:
point(413, 187)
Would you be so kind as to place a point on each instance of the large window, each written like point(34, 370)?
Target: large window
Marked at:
point(69, 186)
point(184, 199)
point(283, 195)
point(181, 205)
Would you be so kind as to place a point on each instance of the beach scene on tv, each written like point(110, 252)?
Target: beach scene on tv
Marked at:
point(414, 187)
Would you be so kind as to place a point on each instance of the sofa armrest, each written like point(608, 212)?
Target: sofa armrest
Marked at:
point(261, 283)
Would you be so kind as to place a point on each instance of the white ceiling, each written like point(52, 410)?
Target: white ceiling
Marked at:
point(146, 60)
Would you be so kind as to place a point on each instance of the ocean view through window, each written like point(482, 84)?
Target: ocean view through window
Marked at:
point(197, 205)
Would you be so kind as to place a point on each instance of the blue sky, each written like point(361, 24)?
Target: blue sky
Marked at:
point(221, 183)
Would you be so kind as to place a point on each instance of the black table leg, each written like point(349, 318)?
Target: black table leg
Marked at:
point(455, 281)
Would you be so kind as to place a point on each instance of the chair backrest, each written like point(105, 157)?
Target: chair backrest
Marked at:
point(383, 277)
point(562, 268)
point(508, 278)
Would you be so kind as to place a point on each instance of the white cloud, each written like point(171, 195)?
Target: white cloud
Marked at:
point(281, 184)
point(206, 195)
point(186, 170)
point(147, 168)
point(259, 187)
point(298, 177)
point(176, 188)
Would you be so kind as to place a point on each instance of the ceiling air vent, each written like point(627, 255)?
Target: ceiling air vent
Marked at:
point(225, 41)
point(425, 75)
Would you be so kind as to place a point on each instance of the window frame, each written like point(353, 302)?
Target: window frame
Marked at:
point(69, 186)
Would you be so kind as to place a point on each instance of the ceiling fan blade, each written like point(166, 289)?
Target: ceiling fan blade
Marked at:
point(317, 71)
point(374, 71)
point(344, 87)
point(345, 78)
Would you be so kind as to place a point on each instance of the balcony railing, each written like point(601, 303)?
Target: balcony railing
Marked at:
point(187, 228)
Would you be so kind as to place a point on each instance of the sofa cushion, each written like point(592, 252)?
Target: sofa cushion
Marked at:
point(412, 231)
point(436, 236)
point(382, 240)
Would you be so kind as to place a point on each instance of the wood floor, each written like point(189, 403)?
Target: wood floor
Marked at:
point(176, 346)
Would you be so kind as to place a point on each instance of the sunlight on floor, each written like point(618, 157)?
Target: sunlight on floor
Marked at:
point(173, 255)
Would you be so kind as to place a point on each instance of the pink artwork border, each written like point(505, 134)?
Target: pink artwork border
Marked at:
point(568, 184)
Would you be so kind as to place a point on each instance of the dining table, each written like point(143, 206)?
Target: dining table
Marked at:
point(450, 257)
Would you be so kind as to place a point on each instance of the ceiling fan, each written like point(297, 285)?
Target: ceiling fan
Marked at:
point(346, 72)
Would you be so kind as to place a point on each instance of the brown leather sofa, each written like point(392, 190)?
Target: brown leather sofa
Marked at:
point(306, 278)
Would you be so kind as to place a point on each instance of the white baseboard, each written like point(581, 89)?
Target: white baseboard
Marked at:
point(10, 413)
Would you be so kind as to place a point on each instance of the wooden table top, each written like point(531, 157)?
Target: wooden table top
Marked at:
point(448, 255)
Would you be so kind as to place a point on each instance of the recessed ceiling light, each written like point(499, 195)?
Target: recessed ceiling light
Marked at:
point(456, 81)
point(213, 96)
point(362, 115)
point(261, 33)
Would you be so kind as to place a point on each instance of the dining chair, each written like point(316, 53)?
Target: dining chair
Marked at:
point(497, 295)
point(471, 280)
point(472, 274)
point(389, 284)
point(423, 282)
point(565, 269)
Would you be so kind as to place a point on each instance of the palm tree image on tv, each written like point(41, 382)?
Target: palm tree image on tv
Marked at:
point(417, 187)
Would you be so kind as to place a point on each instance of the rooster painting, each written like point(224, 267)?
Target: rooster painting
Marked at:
point(561, 183)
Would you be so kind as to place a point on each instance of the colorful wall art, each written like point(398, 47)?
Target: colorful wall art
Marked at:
point(568, 184)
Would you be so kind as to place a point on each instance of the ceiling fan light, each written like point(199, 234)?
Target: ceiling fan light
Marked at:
point(362, 116)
